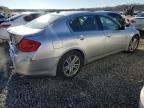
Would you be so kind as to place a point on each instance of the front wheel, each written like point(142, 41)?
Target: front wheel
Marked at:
point(70, 64)
point(133, 45)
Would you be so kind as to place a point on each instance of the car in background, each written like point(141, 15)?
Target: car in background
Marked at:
point(140, 14)
point(16, 20)
point(141, 104)
point(2, 18)
point(137, 21)
point(116, 16)
point(61, 43)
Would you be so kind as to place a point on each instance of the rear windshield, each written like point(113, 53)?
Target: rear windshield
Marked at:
point(43, 21)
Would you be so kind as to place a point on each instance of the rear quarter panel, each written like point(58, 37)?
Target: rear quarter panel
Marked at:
point(62, 39)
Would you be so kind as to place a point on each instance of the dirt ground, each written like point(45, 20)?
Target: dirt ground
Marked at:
point(111, 82)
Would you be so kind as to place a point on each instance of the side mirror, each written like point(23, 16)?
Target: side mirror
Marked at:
point(127, 25)
point(122, 27)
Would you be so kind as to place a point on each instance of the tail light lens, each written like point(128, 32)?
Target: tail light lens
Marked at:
point(26, 45)
point(132, 21)
point(5, 26)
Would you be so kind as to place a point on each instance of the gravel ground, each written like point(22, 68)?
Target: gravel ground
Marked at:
point(111, 82)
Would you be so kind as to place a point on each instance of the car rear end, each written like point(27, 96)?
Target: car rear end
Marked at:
point(16, 20)
point(27, 54)
point(30, 49)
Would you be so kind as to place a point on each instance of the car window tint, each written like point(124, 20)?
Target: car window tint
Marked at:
point(108, 24)
point(43, 21)
point(115, 16)
point(84, 23)
point(13, 18)
point(1, 16)
point(31, 17)
point(140, 15)
point(118, 18)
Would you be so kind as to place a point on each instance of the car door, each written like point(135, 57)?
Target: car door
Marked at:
point(90, 38)
point(116, 39)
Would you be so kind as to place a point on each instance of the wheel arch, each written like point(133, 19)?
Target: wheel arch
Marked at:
point(74, 49)
point(136, 35)
point(70, 50)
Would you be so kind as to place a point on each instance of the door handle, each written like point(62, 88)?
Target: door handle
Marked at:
point(82, 37)
point(108, 36)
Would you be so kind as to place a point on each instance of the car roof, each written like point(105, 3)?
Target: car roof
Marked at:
point(31, 13)
point(107, 12)
point(69, 13)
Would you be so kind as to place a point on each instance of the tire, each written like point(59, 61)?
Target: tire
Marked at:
point(133, 45)
point(70, 64)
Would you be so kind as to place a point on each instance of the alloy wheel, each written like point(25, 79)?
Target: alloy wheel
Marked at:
point(133, 44)
point(71, 65)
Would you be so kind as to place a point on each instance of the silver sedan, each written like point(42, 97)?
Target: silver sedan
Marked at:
point(61, 43)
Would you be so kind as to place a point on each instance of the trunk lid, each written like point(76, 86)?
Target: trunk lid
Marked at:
point(17, 33)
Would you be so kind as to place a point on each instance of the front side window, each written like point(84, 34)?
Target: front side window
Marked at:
point(114, 16)
point(84, 23)
point(108, 24)
point(117, 18)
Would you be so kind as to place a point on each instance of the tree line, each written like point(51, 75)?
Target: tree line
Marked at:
point(137, 7)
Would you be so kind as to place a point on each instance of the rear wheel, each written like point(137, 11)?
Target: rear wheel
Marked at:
point(70, 64)
point(133, 45)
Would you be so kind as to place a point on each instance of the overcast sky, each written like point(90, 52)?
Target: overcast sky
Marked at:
point(63, 4)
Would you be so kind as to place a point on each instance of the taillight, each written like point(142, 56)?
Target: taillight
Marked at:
point(132, 21)
point(5, 26)
point(26, 45)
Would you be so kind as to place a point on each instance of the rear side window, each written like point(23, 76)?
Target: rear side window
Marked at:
point(31, 17)
point(84, 23)
point(43, 21)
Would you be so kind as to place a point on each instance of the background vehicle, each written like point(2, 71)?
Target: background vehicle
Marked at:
point(142, 99)
point(2, 18)
point(16, 20)
point(140, 14)
point(61, 43)
point(138, 22)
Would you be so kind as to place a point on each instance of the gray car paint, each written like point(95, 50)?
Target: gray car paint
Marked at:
point(57, 39)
